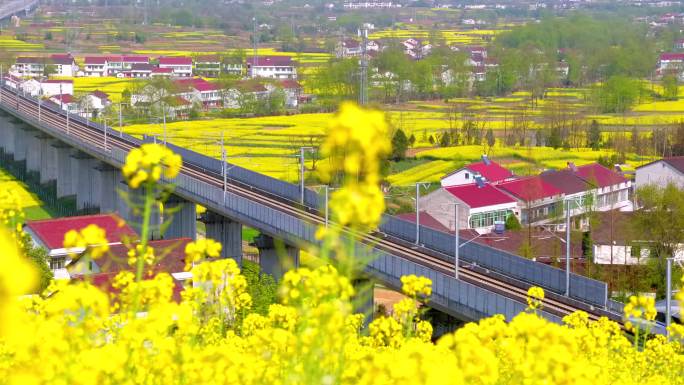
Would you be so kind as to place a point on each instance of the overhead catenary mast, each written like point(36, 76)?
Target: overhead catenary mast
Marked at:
point(363, 64)
point(255, 43)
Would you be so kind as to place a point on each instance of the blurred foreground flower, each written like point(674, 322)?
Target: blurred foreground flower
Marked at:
point(147, 163)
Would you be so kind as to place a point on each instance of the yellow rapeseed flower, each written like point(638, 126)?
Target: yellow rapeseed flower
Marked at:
point(92, 239)
point(199, 250)
point(535, 297)
point(414, 286)
point(148, 163)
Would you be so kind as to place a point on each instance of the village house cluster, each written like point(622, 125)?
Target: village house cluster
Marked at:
point(31, 75)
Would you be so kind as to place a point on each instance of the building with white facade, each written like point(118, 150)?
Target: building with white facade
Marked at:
point(274, 67)
point(661, 172)
point(480, 206)
point(180, 66)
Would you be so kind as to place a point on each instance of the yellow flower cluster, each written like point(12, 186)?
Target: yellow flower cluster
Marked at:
point(415, 287)
point(11, 214)
point(146, 253)
point(357, 141)
point(92, 239)
point(535, 297)
point(75, 333)
point(201, 249)
point(639, 312)
point(148, 163)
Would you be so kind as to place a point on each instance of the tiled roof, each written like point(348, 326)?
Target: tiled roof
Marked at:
point(100, 94)
point(172, 250)
point(197, 83)
point(65, 59)
point(425, 220)
point(290, 84)
point(95, 60)
point(147, 67)
point(599, 175)
point(105, 281)
point(58, 81)
point(136, 59)
point(208, 59)
point(271, 61)
point(671, 56)
point(529, 189)
point(63, 98)
point(475, 196)
point(51, 231)
point(676, 162)
point(175, 60)
point(566, 181)
point(493, 172)
point(30, 59)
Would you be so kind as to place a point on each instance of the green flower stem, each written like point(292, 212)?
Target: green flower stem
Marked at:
point(145, 231)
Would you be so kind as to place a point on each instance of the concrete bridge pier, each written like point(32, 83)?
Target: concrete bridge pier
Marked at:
point(48, 159)
point(227, 232)
point(21, 141)
point(276, 257)
point(8, 136)
point(66, 186)
point(33, 148)
point(84, 172)
point(130, 206)
point(182, 216)
point(105, 184)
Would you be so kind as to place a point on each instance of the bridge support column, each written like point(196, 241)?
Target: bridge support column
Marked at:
point(66, 186)
point(86, 198)
point(275, 258)
point(183, 217)
point(8, 136)
point(21, 141)
point(33, 148)
point(130, 206)
point(364, 301)
point(105, 183)
point(227, 232)
point(48, 160)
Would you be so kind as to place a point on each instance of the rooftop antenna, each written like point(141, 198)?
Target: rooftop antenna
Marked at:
point(255, 42)
point(571, 166)
point(363, 79)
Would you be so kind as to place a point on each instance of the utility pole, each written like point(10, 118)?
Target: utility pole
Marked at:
point(418, 185)
point(40, 94)
point(668, 297)
point(255, 44)
point(301, 171)
point(104, 130)
point(164, 120)
point(456, 240)
point(363, 63)
point(224, 168)
point(120, 121)
point(567, 247)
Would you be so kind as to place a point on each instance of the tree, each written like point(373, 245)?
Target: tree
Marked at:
point(491, 141)
point(661, 223)
point(49, 69)
point(262, 287)
point(38, 257)
point(617, 94)
point(594, 138)
point(512, 223)
point(670, 87)
point(412, 140)
point(400, 144)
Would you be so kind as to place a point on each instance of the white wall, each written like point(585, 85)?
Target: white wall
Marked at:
point(659, 173)
point(50, 89)
point(439, 204)
point(459, 178)
point(622, 255)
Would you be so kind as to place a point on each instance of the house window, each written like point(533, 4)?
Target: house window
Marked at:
point(57, 263)
point(467, 175)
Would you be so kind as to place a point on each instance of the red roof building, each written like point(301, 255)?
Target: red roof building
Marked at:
point(175, 60)
point(480, 206)
point(530, 189)
point(598, 175)
point(488, 171)
point(49, 233)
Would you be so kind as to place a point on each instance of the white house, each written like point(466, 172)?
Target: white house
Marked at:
point(480, 206)
point(244, 91)
point(275, 67)
point(293, 91)
point(66, 102)
point(57, 87)
point(661, 172)
point(95, 66)
point(118, 64)
point(98, 100)
point(65, 64)
point(489, 171)
point(611, 189)
point(670, 63)
point(198, 90)
point(181, 66)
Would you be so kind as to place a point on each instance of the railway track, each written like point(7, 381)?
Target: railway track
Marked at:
point(517, 290)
